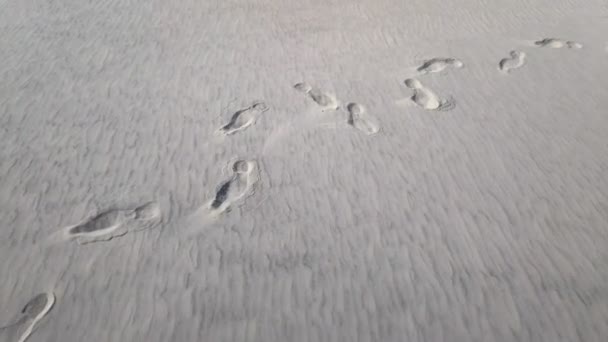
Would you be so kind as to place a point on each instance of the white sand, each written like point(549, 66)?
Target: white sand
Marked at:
point(478, 212)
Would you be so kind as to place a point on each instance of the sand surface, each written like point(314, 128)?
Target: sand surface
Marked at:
point(374, 170)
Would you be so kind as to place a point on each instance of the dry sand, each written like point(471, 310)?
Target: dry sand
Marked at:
point(375, 170)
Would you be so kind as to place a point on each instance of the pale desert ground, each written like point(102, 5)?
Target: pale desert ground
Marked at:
point(374, 170)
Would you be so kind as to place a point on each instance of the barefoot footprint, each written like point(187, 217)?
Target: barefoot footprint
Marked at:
point(324, 100)
point(30, 315)
point(439, 64)
point(114, 223)
point(312, 118)
point(231, 193)
point(557, 43)
point(426, 98)
point(244, 118)
point(358, 118)
point(516, 60)
point(239, 186)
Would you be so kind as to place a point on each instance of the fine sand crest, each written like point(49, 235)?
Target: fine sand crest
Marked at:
point(515, 60)
point(436, 65)
point(426, 98)
point(324, 100)
point(114, 223)
point(324, 115)
point(243, 118)
point(556, 43)
point(27, 320)
point(359, 119)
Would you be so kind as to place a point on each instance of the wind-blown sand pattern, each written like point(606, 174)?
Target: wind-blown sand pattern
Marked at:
point(298, 189)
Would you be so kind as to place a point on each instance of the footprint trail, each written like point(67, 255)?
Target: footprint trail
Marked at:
point(516, 60)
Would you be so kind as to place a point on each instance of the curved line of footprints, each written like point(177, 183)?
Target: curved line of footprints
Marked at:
point(112, 223)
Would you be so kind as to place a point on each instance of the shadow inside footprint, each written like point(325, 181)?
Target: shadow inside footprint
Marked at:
point(358, 118)
point(244, 118)
point(115, 223)
point(38, 307)
point(236, 188)
point(303, 87)
point(516, 60)
point(106, 221)
point(439, 64)
point(221, 195)
point(426, 98)
point(324, 100)
point(556, 43)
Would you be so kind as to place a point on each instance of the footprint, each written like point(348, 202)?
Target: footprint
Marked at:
point(325, 101)
point(239, 186)
point(146, 216)
point(115, 223)
point(233, 192)
point(303, 87)
point(30, 315)
point(517, 60)
point(244, 118)
point(358, 118)
point(439, 64)
point(557, 43)
point(426, 98)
